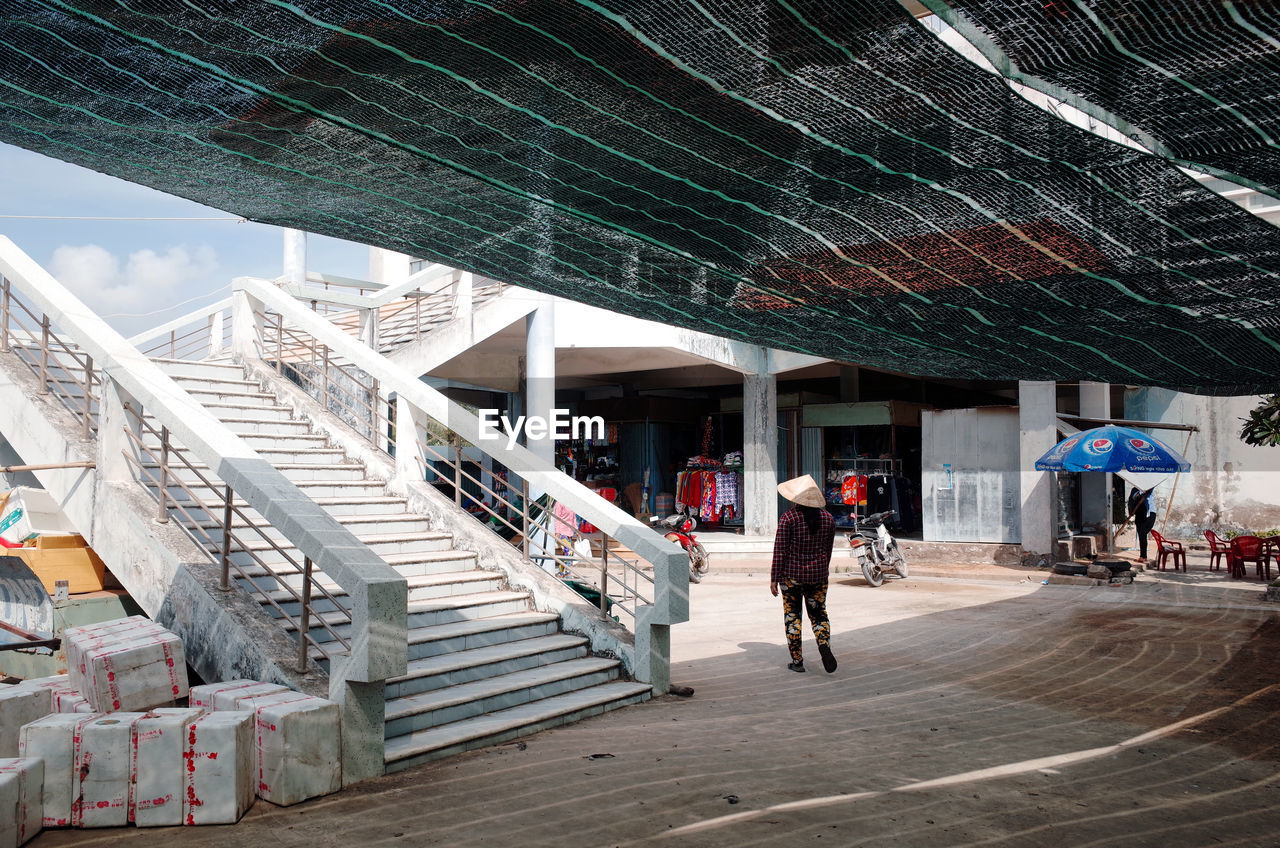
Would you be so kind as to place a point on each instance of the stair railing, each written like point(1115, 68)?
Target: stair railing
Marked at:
point(272, 327)
point(49, 330)
point(202, 334)
point(65, 372)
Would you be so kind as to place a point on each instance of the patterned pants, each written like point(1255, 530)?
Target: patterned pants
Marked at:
point(814, 598)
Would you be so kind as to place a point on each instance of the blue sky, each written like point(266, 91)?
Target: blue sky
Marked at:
point(136, 273)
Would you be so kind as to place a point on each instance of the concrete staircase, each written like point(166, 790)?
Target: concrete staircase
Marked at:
point(484, 666)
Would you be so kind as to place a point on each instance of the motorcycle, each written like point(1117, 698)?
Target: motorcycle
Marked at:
point(679, 528)
point(876, 549)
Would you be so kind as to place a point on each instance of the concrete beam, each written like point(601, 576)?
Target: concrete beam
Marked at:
point(1095, 402)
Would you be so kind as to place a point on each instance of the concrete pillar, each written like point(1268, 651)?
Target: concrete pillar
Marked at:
point(247, 326)
point(760, 453)
point(1037, 433)
point(118, 412)
point(295, 256)
point(1095, 402)
point(388, 266)
point(540, 373)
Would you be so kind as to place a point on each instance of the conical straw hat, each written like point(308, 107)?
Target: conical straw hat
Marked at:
point(802, 490)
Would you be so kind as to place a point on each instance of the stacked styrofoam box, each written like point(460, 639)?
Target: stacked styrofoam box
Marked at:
point(298, 738)
point(219, 775)
point(166, 767)
point(103, 771)
point(64, 696)
point(19, 706)
point(131, 664)
point(53, 739)
point(298, 746)
point(160, 766)
point(21, 808)
point(223, 696)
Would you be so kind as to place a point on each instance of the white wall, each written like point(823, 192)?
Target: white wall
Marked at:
point(980, 501)
point(1231, 485)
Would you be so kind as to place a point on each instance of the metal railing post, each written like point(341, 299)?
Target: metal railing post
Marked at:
point(524, 513)
point(4, 334)
point(373, 414)
point(87, 431)
point(604, 572)
point(457, 471)
point(173, 344)
point(225, 580)
point(162, 510)
point(44, 354)
point(304, 625)
point(279, 343)
point(326, 378)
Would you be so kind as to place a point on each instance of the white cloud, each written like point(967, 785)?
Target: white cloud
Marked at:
point(146, 281)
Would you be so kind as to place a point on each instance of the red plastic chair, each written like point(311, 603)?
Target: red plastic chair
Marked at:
point(1218, 550)
point(1248, 549)
point(1169, 549)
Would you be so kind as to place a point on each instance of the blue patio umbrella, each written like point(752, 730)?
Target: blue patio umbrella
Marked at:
point(1113, 448)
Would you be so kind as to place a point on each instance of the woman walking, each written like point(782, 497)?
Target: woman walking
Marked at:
point(801, 562)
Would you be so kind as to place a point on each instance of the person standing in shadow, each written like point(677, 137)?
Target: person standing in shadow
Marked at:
point(1142, 508)
point(801, 566)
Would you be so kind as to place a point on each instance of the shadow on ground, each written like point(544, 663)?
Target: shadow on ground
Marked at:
point(959, 716)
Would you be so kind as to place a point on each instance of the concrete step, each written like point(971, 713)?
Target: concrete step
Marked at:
point(198, 368)
point(295, 471)
point(436, 672)
point(336, 506)
point(250, 397)
point(233, 408)
point(446, 561)
point(390, 543)
point(425, 587)
point(263, 426)
point(358, 524)
point(455, 609)
point(425, 745)
point(450, 704)
point(441, 639)
point(315, 489)
point(217, 382)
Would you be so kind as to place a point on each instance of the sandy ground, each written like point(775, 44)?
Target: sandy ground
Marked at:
point(978, 709)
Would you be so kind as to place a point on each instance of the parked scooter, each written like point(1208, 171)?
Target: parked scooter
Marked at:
point(876, 549)
point(679, 528)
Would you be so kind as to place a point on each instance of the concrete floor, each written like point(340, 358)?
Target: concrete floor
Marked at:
point(978, 709)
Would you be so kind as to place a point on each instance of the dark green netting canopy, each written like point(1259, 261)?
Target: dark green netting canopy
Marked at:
point(1196, 80)
point(824, 177)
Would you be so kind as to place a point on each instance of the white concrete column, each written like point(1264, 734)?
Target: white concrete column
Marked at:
point(1095, 402)
point(113, 442)
point(409, 455)
point(295, 256)
point(246, 326)
point(388, 266)
point(540, 373)
point(1037, 433)
point(464, 301)
point(760, 453)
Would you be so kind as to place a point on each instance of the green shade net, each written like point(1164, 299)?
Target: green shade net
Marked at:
point(1197, 80)
point(816, 176)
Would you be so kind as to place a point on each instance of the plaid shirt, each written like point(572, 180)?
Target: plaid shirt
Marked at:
point(801, 554)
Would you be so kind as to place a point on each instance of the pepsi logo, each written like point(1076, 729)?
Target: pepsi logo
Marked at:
point(1142, 446)
point(1097, 447)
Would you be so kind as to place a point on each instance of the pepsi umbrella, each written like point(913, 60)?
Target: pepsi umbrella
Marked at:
point(1112, 448)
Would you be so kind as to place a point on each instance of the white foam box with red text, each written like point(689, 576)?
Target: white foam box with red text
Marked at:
point(19, 706)
point(21, 807)
point(298, 746)
point(223, 696)
point(136, 665)
point(219, 768)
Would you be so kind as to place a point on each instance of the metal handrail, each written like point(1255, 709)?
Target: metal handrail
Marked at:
point(567, 566)
point(161, 477)
point(189, 336)
point(292, 349)
point(83, 405)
